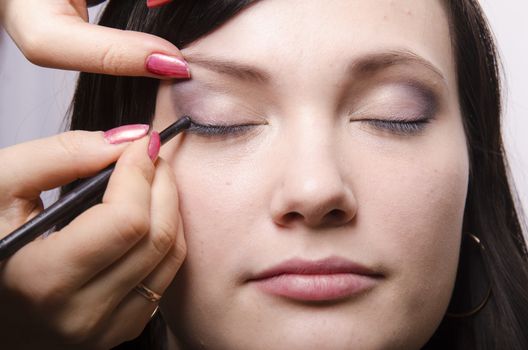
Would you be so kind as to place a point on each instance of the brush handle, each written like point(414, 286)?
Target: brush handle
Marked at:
point(70, 203)
point(48, 218)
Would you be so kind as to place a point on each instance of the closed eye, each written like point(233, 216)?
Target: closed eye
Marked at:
point(213, 130)
point(402, 127)
point(399, 127)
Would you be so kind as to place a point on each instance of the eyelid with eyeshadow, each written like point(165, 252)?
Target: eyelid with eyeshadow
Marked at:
point(403, 110)
point(400, 127)
point(397, 117)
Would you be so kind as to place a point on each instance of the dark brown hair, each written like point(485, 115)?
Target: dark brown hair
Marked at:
point(103, 102)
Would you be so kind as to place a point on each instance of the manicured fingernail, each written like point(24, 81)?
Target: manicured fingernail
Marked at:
point(154, 145)
point(156, 3)
point(167, 66)
point(126, 133)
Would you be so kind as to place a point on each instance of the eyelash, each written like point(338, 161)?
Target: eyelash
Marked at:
point(401, 127)
point(212, 130)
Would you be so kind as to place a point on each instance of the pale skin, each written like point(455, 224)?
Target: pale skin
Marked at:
point(84, 269)
point(313, 177)
point(74, 289)
point(40, 29)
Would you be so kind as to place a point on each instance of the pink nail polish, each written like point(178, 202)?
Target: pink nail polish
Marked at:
point(154, 145)
point(167, 66)
point(126, 133)
point(156, 3)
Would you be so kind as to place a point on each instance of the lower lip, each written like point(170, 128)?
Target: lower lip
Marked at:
point(328, 287)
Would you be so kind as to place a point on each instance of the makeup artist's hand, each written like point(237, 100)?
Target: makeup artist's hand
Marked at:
point(57, 34)
point(75, 288)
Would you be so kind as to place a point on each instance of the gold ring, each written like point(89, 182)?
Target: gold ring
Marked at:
point(148, 293)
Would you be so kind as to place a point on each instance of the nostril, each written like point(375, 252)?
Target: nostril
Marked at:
point(291, 216)
point(335, 216)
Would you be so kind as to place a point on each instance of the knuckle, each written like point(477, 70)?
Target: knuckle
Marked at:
point(68, 325)
point(78, 328)
point(31, 47)
point(80, 322)
point(163, 237)
point(132, 222)
point(34, 42)
point(72, 332)
point(146, 171)
point(71, 143)
point(111, 60)
point(177, 254)
point(45, 293)
point(180, 252)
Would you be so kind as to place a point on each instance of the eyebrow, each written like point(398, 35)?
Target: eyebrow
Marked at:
point(367, 64)
point(373, 63)
point(238, 70)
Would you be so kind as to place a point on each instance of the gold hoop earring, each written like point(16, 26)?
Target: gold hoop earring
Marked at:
point(481, 304)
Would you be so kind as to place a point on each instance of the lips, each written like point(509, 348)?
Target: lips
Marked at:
point(329, 279)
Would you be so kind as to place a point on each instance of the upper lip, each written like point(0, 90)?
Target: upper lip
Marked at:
point(327, 266)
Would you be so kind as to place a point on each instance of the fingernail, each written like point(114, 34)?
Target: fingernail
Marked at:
point(126, 133)
point(154, 145)
point(167, 66)
point(156, 3)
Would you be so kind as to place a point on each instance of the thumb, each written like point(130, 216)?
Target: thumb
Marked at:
point(97, 49)
point(32, 167)
point(55, 34)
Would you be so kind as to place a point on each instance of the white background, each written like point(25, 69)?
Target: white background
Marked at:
point(34, 100)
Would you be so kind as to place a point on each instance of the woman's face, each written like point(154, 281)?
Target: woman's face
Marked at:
point(322, 197)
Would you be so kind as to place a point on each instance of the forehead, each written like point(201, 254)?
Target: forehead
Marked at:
point(300, 35)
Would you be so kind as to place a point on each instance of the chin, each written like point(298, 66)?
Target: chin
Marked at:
point(316, 333)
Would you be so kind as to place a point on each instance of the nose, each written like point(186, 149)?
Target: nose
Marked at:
point(312, 189)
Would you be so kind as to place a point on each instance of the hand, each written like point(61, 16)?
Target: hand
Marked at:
point(75, 287)
point(41, 28)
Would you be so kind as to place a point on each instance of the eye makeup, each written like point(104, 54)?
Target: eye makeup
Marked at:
point(396, 104)
point(403, 127)
point(215, 108)
point(400, 108)
point(217, 114)
point(213, 130)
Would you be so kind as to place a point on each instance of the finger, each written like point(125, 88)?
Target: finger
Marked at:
point(16, 212)
point(150, 3)
point(69, 42)
point(112, 51)
point(134, 311)
point(140, 262)
point(103, 233)
point(157, 3)
point(165, 216)
point(128, 320)
point(43, 164)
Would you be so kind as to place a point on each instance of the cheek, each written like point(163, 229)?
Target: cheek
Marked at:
point(217, 191)
point(420, 204)
point(221, 202)
point(412, 209)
